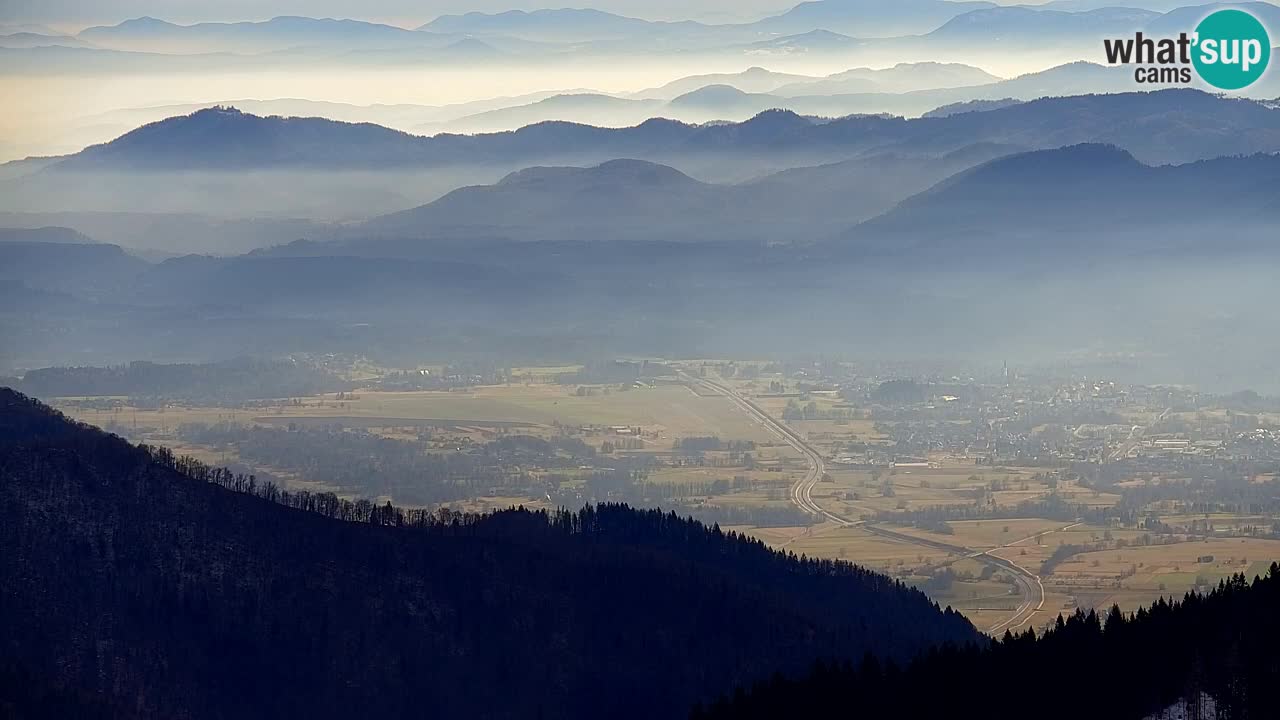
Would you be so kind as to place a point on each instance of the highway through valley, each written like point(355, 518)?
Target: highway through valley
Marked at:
point(1030, 588)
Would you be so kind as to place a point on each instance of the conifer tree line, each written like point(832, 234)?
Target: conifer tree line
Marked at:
point(1217, 649)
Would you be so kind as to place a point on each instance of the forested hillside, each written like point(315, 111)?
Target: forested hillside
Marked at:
point(137, 584)
point(1216, 650)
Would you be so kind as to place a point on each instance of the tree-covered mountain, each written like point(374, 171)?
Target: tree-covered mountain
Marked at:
point(68, 266)
point(620, 199)
point(225, 138)
point(865, 186)
point(1219, 647)
point(141, 585)
point(1086, 194)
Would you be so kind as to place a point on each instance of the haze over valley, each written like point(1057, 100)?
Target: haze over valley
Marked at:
point(642, 360)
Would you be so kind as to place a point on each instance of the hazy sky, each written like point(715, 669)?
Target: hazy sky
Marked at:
point(77, 13)
point(407, 11)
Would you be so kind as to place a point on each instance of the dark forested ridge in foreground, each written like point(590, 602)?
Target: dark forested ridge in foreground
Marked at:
point(1219, 648)
point(136, 584)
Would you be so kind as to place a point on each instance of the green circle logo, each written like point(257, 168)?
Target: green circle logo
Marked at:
point(1232, 49)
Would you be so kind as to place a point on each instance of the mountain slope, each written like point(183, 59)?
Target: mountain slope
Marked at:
point(1024, 25)
point(228, 138)
point(67, 265)
point(45, 234)
point(1221, 644)
point(1184, 19)
point(901, 78)
point(1089, 194)
point(1169, 126)
point(274, 604)
point(632, 200)
point(814, 41)
point(868, 18)
point(861, 187)
point(619, 199)
point(751, 80)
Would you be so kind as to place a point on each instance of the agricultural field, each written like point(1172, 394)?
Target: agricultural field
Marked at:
point(991, 534)
point(670, 411)
point(640, 430)
point(639, 426)
point(1135, 575)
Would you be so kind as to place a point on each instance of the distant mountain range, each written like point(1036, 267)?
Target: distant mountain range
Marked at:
point(862, 19)
point(885, 91)
point(1025, 25)
point(901, 78)
point(282, 33)
point(824, 27)
point(587, 108)
point(1166, 126)
point(161, 235)
point(1020, 194)
point(814, 41)
point(45, 234)
point(1015, 189)
point(558, 26)
point(1018, 25)
point(869, 18)
point(896, 90)
point(326, 170)
point(902, 246)
point(1184, 19)
point(858, 18)
point(825, 34)
point(636, 201)
point(35, 40)
point(737, 96)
